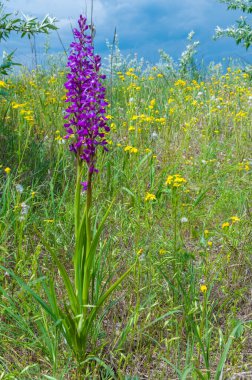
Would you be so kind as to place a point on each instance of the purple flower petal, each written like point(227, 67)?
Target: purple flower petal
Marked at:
point(84, 186)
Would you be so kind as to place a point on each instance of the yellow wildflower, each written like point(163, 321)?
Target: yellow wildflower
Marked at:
point(169, 180)
point(240, 115)
point(7, 170)
point(134, 117)
point(175, 180)
point(130, 149)
point(140, 252)
point(150, 197)
point(225, 224)
point(203, 288)
point(133, 150)
point(244, 166)
point(180, 83)
point(127, 148)
point(3, 84)
point(131, 128)
point(17, 105)
point(235, 219)
point(29, 119)
point(52, 80)
point(113, 127)
point(162, 251)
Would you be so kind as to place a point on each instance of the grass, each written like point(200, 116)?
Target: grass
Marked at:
point(179, 167)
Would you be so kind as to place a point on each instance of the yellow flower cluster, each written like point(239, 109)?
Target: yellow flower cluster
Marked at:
point(152, 104)
point(121, 76)
point(240, 116)
point(3, 84)
point(144, 121)
point(130, 73)
point(244, 166)
point(58, 137)
point(130, 149)
point(234, 219)
point(52, 80)
point(150, 197)
point(133, 86)
point(15, 105)
point(175, 180)
point(27, 114)
point(180, 83)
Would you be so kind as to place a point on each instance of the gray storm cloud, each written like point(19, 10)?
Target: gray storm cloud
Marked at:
point(143, 26)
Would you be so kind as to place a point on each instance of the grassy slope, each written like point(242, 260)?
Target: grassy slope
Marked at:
point(159, 127)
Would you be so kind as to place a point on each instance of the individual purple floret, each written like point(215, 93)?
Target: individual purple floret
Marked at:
point(84, 185)
point(86, 97)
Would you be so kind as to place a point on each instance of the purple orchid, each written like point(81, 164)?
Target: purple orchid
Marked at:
point(86, 94)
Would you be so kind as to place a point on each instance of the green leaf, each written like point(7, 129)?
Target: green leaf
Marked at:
point(80, 257)
point(129, 192)
point(199, 373)
point(185, 373)
point(96, 237)
point(103, 298)
point(200, 197)
point(29, 290)
point(51, 296)
point(176, 369)
point(70, 291)
point(145, 158)
point(109, 371)
point(236, 333)
point(171, 312)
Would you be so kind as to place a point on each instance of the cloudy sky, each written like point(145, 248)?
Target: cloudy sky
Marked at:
point(143, 26)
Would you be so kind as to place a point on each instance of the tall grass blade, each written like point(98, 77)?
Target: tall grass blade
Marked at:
point(236, 333)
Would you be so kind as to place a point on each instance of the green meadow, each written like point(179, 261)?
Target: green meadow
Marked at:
point(177, 176)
